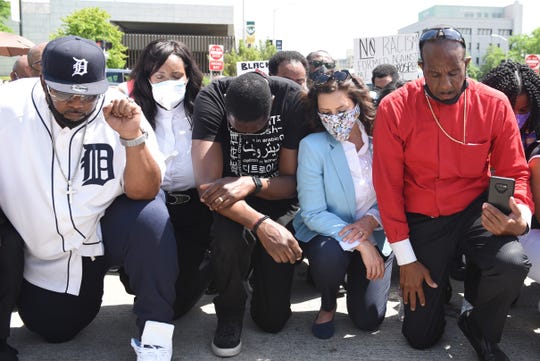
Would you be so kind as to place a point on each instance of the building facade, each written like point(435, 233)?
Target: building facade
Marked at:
point(191, 21)
point(481, 26)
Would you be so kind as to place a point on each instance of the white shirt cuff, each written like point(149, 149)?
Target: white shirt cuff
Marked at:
point(375, 214)
point(403, 251)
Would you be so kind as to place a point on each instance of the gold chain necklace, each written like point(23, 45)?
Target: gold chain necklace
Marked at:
point(464, 119)
point(69, 180)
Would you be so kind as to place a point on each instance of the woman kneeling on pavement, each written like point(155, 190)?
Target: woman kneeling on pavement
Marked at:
point(338, 222)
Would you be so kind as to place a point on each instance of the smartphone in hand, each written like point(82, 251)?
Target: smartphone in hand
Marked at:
point(500, 191)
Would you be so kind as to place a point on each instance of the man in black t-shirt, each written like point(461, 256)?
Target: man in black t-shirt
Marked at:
point(245, 142)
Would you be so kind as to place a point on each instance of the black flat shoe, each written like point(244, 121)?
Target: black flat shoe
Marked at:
point(323, 330)
point(486, 350)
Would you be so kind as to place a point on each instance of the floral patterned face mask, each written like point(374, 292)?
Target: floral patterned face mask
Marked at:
point(340, 125)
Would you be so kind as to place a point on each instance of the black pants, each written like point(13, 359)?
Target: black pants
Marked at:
point(366, 300)
point(496, 268)
point(232, 254)
point(137, 235)
point(11, 272)
point(191, 221)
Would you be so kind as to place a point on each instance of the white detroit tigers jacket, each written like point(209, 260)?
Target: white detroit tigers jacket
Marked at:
point(33, 196)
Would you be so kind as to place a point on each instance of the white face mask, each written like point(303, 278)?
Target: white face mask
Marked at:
point(169, 93)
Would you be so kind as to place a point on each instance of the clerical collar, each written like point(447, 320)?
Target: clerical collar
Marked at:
point(447, 101)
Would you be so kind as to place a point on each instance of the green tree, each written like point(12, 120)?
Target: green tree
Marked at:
point(262, 52)
point(493, 57)
point(473, 71)
point(523, 44)
point(5, 13)
point(93, 24)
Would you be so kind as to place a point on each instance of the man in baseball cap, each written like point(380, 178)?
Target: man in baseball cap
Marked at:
point(73, 68)
point(86, 169)
point(74, 65)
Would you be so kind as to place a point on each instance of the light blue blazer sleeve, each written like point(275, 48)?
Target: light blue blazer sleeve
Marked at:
point(325, 190)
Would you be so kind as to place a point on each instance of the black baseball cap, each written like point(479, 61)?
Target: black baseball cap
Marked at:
point(75, 65)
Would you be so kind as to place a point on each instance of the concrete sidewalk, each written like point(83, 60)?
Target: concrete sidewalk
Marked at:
point(107, 338)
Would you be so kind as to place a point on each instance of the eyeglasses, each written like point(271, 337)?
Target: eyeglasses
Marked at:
point(322, 78)
point(319, 63)
point(67, 97)
point(258, 132)
point(441, 33)
point(37, 62)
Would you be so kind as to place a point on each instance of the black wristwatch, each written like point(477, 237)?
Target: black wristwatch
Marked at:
point(258, 184)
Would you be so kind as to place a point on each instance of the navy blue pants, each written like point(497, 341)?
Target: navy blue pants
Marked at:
point(137, 235)
point(191, 221)
point(366, 300)
point(496, 268)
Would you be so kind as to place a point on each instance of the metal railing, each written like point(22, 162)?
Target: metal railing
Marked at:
point(198, 44)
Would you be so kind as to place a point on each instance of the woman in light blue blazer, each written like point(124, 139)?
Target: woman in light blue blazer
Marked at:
point(338, 222)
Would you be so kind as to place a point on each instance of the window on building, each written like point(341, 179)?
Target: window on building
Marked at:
point(477, 46)
point(477, 61)
point(484, 31)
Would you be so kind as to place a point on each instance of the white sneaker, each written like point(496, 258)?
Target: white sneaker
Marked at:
point(156, 342)
point(151, 353)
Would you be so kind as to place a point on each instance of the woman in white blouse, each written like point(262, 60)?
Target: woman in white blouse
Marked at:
point(165, 82)
point(338, 222)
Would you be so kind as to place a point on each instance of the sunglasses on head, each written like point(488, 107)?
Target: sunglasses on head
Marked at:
point(59, 96)
point(441, 33)
point(319, 63)
point(323, 78)
point(37, 62)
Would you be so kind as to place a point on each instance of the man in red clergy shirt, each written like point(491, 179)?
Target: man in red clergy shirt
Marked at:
point(435, 141)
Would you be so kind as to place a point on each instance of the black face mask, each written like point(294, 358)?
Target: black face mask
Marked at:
point(60, 119)
point(447, 101)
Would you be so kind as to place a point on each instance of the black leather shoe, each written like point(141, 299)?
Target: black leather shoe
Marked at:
point(486, 350)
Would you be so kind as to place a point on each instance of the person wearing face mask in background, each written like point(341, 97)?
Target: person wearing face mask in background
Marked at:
point(165, 82)
point(521, 85)
point(338, 223)
point(320, 62)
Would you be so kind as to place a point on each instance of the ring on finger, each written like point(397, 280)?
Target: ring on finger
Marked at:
point(220, 199)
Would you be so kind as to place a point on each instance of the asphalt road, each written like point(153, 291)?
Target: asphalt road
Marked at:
point(107, 338)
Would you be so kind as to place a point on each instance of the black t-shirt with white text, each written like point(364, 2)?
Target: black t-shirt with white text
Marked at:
point(251, 154)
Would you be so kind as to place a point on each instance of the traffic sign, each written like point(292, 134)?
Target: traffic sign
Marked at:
point(215, 65)
point(216, 57)
point(533, 61)
point(216, 52)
